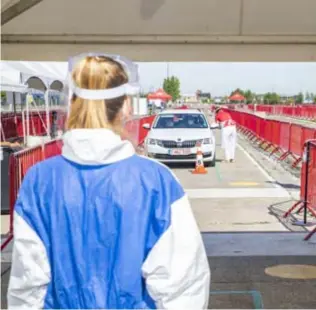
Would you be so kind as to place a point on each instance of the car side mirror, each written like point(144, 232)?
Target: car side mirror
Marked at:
point(214, 126)
point(146, 126)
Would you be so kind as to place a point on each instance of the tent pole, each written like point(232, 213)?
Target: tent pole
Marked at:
point(27, 121)
point(47, 112)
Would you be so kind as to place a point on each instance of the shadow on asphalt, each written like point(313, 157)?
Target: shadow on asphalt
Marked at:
point(284, 185)
point(179, 165)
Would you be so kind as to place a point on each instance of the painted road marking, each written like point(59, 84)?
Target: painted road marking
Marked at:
point(244, 183)
point(302, 272)
point(218, 172)
point(256, 296)
point(237, 193)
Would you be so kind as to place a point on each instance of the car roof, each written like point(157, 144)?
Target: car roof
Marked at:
point(180, 111)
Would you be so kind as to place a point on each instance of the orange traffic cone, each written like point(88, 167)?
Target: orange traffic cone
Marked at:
point(199, 165)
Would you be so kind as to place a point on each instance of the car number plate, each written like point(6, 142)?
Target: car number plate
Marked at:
point(180, 152)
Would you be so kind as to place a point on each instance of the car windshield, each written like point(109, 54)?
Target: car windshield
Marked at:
point(177, 120)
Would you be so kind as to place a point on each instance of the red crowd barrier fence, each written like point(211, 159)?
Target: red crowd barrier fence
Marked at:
point(287, 138)
point(302, 111)
point(12, 124)
point(21, 161)
point(307, 202)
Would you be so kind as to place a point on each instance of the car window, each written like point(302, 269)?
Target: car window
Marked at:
point(177, 120)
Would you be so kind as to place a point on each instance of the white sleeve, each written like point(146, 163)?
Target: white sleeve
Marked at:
point(30, 271)
point(176, 270)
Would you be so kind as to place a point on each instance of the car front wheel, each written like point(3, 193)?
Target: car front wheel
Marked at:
point(213, 162)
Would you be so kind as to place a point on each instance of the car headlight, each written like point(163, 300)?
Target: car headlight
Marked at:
point(151, 141)
point(154, 142)
point(207, 141)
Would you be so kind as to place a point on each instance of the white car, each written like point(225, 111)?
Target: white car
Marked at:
point(175, 134)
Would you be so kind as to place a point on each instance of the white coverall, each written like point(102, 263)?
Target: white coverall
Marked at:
point(229, 140)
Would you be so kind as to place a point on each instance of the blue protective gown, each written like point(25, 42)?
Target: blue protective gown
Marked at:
point(90, 232)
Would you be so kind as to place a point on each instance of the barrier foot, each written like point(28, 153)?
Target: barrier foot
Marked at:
point(253, 139)
point(267, 147)
point(274, 151)
point(243, 130)
point(248, 134)
point(297, 161)
point(289, 211)
point(303, 224)
point(300, 209)
point(310, 234)
point(284, 156)
point(258, 140)
point(7, 241)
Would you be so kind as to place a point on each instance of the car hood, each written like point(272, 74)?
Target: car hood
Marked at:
point(183, 134)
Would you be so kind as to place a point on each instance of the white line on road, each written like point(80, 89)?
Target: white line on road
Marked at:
point(264, 172)
point(237, 193)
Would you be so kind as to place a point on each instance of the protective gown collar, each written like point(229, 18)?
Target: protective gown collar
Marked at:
point(95, 147)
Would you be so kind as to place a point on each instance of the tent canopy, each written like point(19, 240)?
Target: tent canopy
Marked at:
point(237, 97)
point(34, 74)
point(159, 94)
point(10, 85)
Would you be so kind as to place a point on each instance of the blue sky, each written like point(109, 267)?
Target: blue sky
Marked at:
point(221, 78)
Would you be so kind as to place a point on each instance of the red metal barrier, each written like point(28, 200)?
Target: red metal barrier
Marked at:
point(275, 135)
point(12, 124)
point(21, 161)
point(303, 111)
point(135, 127)
point(307, 202)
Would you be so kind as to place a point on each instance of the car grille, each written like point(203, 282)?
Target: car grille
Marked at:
point(190, 156)
point(174, 145)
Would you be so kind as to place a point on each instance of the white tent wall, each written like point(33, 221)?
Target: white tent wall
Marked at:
point(140, 106)
point(28, 75)
point(13, 89)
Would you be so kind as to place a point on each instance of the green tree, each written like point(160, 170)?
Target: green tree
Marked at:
point(172, 87)
point(300, 98)
point(271, 98)
point(249, 95)
point(308, 96)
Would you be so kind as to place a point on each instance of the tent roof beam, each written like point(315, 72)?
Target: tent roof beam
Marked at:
point(17, 9)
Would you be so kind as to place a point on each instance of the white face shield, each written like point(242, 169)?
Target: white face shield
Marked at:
point(130, 90)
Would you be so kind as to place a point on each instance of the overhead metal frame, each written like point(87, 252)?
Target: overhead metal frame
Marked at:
point(16, 9)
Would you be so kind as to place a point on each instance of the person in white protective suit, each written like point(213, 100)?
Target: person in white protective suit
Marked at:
point(229, 133)
point(100, 227)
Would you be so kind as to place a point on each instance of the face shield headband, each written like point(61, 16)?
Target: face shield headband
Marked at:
point(131, 88)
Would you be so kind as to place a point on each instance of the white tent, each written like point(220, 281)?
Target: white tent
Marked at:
point(27, 72)
point(31, 77)
point(10, 85)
